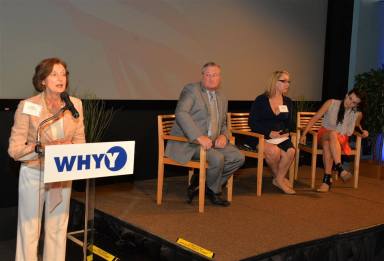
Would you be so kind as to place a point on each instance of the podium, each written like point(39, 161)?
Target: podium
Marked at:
point(88, 161)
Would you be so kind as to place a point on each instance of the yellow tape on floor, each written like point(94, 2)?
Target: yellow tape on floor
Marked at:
point(196, 248)
point(103, 254)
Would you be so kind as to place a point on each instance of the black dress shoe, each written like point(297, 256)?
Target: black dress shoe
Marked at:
point(194, 180)
point(193, 189)
point(216, 199)
point(191, 193)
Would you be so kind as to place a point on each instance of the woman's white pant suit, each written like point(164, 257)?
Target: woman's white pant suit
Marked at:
point(30, 215)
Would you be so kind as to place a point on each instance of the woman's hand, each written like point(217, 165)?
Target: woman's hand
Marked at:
point(274, 134)
point(277, 134)
point(365, 133)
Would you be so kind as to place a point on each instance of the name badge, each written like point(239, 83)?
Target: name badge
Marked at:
point(31, 108)
point(283, 108)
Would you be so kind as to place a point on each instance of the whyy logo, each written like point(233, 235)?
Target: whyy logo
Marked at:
point(114, 159)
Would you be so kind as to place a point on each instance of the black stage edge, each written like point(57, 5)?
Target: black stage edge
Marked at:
point(128, 242)
point(124, 240)
point(363, 245)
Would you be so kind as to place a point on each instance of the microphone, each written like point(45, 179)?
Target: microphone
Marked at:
point(69, 105)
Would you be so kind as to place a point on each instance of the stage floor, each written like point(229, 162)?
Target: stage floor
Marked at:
point(251, 225)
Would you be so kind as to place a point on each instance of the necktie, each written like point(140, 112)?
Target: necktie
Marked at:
point(214, 125)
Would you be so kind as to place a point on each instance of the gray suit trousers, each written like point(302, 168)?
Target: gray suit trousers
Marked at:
point(222, 164)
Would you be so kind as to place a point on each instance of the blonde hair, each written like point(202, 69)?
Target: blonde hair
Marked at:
point(271, 90)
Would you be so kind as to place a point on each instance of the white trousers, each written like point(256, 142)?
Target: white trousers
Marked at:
point(32, 195)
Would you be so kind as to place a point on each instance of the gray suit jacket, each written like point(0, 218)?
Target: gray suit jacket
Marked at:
point(192, 120)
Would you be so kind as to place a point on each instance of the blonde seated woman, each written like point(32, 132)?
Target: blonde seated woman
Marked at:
point(341, 119)
point(271, 115)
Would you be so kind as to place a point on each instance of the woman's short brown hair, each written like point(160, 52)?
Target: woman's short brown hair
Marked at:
point(43, 69)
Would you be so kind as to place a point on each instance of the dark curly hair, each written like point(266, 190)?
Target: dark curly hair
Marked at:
point(359, 94)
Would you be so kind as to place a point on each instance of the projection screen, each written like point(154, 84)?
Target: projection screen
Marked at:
point(148, 50)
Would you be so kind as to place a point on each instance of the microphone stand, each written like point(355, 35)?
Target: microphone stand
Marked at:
point(38, 148)
point(39, 151)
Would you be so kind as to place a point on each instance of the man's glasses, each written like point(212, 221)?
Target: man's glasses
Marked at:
point(285, 81)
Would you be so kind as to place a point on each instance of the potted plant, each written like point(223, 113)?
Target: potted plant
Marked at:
point(301, 104)
point(97, 119)
point(372, 83)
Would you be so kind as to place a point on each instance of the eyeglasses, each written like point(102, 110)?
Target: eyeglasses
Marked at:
point(285, 81)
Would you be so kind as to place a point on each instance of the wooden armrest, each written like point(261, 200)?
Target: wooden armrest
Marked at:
point(175, 138)
point(301, 129)
point(178, 138)
point(293, 138)
point(248, 133)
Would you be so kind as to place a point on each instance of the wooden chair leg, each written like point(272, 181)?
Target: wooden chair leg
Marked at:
point(260, 162)
point(202, 179)
point(297, 159)
point(356, 175)
point(292, 167)
point(160, 182)
point(292, 173)
point(230, 188)
point(313, 170)
point(356, 164)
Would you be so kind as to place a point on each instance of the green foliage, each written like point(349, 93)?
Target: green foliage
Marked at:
point(302, 105)
point(372, 83)
point(97, 119)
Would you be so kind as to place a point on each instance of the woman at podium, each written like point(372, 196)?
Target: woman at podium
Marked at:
point(29, 135)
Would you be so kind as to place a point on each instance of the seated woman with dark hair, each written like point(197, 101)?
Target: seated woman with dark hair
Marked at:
point(341, 118)
point(271, 115)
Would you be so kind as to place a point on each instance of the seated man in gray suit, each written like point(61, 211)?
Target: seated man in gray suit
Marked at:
point(201, 117)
